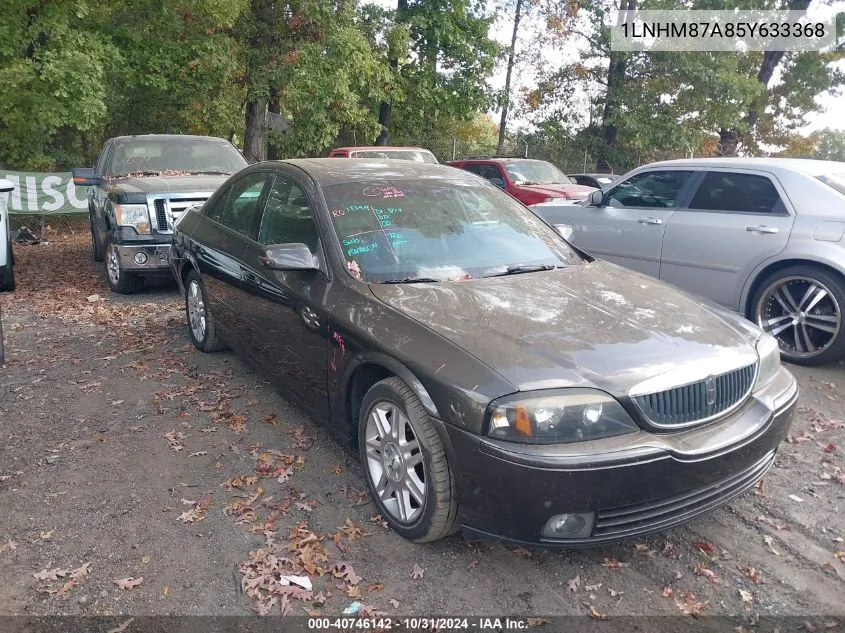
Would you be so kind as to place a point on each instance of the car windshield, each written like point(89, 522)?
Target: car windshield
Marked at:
point(535, 172)
point(439, 230)
point(174, 156)
point(421, 156)
point(837, 181)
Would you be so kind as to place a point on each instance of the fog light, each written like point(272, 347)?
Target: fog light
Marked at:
point(140, 258)
point(569, 526)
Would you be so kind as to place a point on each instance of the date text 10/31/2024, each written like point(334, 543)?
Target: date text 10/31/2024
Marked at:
point(421, 624)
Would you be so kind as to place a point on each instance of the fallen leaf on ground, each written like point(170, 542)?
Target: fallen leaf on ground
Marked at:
point(252, 402)
point(345, 572)
point(573, 584)
point(375, 587)
point(301, 440)
point(840, 556)
point(595, 587)
point(46, 536)
point(198, 454)
point(752, 575)
point(394, 603)
point(691, 605)
point(418, 571)
point(380, 520)
point(667, 591)
point(271, 419)
point(705, 547)
point(613, 593)
point(796, 498)
point(612, 563)
point(145, 560)
point(165, 591)
point(768, 540)
point(336, 469)
point(830, 448)
point(596, 615)
point(702, 570)
point(747, 598)
point(129, 583)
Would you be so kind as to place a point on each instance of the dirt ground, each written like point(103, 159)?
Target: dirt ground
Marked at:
point(139, 476)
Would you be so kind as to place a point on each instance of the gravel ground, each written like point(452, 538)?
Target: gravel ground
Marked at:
point(139, 476)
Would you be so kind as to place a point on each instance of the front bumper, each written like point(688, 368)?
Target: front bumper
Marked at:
point(147, 259)
point(641, 484)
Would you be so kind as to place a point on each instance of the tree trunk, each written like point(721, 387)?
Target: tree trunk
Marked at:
point(507, 96)
point(255, 130)
point(728, 142)
point(616, 68)
point(385, 110)
point(273, 106)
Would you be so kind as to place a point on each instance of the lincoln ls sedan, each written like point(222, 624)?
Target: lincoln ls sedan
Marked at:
point(492, 377)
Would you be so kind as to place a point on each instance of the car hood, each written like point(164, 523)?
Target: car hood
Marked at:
point(573, 190)
point(166, 184)
point(592, 325)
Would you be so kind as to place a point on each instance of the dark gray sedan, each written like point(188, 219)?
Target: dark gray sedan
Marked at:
point(491, 376)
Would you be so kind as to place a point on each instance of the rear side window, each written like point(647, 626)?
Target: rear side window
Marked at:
point(837, 181)
point(653, 189)
point(740, 193)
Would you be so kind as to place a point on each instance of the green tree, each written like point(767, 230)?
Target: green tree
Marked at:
point(829, 145)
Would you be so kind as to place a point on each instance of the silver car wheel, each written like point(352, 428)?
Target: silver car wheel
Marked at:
point(802, 313)
point(395, 462)
point(113, 265)
point(196, 311)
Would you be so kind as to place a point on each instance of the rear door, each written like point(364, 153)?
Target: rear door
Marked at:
point(736, 219)
point(628, 228)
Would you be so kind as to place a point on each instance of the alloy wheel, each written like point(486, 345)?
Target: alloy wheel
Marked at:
point(395, 462)
point(196, 310)
point(802, 313)
point(113, 265)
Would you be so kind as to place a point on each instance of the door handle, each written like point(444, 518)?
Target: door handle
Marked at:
point(250, 277)
point(761, 229)
point(650, 220)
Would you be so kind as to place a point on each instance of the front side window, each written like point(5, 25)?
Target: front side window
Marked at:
point(743, 193)
point(173, 156)
point(653, 189)
point(535, 172)
point(438, 229)
point(288, 216)
point(241, 204)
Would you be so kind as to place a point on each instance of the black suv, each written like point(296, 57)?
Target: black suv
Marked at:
point(139, 189)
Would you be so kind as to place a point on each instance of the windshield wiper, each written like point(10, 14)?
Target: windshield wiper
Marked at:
point(412, 280)
point(209, 171)
point(524, 268)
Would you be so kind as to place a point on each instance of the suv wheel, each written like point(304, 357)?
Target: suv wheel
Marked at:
point(407, 471)
point(802, 307)
point(120, 281)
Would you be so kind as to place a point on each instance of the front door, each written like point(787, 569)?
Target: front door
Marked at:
point(735, 220)
point(289, 310)
point(628, 228)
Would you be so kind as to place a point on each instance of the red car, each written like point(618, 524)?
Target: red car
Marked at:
point(529, 181)
point(378, 151)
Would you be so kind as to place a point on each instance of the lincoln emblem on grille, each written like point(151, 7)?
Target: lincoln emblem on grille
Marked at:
point(710, 384)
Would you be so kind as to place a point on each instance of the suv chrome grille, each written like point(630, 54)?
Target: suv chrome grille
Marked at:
point(699, 401)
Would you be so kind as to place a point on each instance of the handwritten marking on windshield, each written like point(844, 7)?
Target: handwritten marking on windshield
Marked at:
point(383, 192)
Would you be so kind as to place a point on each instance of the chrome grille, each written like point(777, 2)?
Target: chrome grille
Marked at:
point(169, 210)
point(699, 401)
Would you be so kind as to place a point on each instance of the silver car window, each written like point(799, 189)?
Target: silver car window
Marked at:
point(737, 192)
point(653, 189)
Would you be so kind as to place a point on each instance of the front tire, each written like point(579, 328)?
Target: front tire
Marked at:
point(120, 281)
point(202, 327)
point(407, 470)
point(802, 306)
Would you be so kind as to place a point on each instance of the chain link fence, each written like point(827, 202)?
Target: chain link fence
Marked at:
point(568, 158)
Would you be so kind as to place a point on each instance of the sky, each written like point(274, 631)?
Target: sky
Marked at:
point(831, 117)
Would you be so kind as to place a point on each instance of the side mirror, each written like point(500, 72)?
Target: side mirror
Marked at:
point(292, 256)
point(86, 177)
point(498, 182)
point(596, 198)
point(6, 185)
point(565, 230)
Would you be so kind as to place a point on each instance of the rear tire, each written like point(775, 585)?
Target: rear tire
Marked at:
point(202, 327)
point(407, 470)
point(802, 307)
point(120, 281)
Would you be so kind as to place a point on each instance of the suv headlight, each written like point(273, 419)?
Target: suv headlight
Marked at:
point(769, 352)
point(135, 215)
point(557, 417)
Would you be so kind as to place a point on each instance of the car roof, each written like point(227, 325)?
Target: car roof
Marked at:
point(497, 159)
point(594, 174)
point(193, 137)
point(381, 148)
point(804, 165)
point(330, 171)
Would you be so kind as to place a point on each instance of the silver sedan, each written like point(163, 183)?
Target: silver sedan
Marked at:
point(761, 236)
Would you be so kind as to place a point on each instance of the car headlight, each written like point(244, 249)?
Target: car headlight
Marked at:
point(769, 352)
point(134, 215)
point(557, 417)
